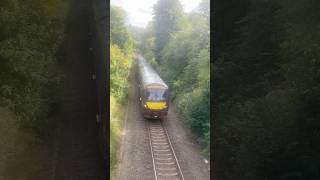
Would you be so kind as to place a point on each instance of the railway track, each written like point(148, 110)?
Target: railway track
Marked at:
point(165, 162)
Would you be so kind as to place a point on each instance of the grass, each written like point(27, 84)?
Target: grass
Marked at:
point(117, 115)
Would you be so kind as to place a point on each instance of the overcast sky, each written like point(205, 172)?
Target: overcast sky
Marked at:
point(139, 12)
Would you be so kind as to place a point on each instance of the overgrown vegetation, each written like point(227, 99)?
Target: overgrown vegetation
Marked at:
point(266, 75)
point(177, 44)
point(121, 54)
point(31, 34)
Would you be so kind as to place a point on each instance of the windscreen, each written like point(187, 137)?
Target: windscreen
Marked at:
point(156, 95)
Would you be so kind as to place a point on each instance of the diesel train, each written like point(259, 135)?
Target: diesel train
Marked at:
point(153, 91)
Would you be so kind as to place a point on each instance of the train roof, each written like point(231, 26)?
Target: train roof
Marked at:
point(148, 75)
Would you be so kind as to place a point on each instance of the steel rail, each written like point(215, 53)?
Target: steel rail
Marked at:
point(156, 132)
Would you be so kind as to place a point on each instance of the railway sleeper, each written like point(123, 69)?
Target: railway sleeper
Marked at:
point(162, 150)
point(165, 163)
point(157, 154)
point(167, 169)
point(157, 136)
point(164, 159)
point(160, 144)
point(161, 147)
point(154, 140)
point(168, 174)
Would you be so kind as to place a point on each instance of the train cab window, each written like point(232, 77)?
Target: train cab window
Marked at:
point(156, 95)
point(165, 94)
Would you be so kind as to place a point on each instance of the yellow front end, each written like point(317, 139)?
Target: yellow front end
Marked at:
point(156, 105)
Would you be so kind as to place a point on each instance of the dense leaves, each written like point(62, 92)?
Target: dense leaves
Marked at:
point(168, 18)
point(119, 32)
point(122, 48)
point(122, 52)
point(266, 89)
point(119, 71)
point(31, 34)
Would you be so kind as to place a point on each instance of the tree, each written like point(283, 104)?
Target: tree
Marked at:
point(168, 18)
point(266, 90)
point(119, 33)
point(31, 37)
point(204, 10)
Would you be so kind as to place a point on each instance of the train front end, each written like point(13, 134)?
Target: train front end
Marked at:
point(156, 102)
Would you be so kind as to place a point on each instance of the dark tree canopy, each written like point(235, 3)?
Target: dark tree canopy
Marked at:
point(266, 89)
point(31, 54)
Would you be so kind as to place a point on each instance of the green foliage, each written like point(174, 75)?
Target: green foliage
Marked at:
point(31, 33)
point(119, 33)
point(192, 91)
point(168, 18)
point(116, 123)
point(121, 53)
point(137, 34)
point(204, 10)
point(122, 49)
point(147, 46)
point(266, 90)
point(119, 72)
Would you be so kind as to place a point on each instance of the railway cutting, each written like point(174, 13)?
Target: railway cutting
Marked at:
point(156, 147)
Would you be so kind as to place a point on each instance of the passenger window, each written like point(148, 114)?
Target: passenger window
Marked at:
point(164, 95)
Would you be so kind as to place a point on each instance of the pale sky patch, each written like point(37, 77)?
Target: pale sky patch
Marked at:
point(140, 12)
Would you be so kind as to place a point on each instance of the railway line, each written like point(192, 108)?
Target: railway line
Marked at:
point(154, 149)
point(165, 163)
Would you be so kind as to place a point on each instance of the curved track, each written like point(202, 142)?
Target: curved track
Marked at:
point(165, 162)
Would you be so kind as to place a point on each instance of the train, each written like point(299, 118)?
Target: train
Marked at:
point(153, 91)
